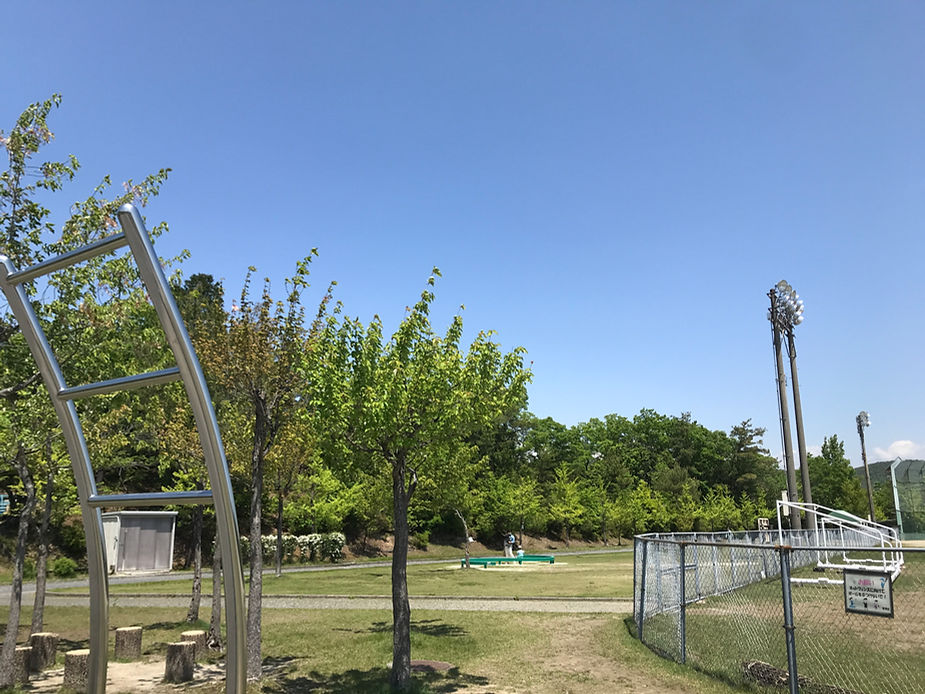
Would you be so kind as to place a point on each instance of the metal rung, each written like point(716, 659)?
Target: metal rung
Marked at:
point(193, 498)
point(124, 383)
point(58, 262)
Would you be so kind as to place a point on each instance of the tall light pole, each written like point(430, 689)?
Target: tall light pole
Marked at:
point(793, 314)
point(779, 322)
point(863, 420)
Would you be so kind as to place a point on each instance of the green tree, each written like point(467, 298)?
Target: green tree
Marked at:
point(255, 360)
point(834, 482)
point(407, 408)
point(82, 308)
point(565, 503)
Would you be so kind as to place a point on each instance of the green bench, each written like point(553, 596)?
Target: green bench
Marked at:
point(485, 562)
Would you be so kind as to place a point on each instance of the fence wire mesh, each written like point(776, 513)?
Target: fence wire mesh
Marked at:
point(730, 621)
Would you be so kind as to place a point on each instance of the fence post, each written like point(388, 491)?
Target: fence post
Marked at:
point(659, 605)
point(683, 588)
point(697, 570)
point(640, 615)
point(788, 618)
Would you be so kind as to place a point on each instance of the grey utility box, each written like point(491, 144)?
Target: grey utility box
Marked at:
point(139, 541)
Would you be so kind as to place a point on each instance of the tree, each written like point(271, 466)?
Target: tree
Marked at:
point(76, 311)
point(566, 506)
point(751, 468)
point(834, 483)
point(254, 361)
point(287, 463)
point(201, 303)
point(407, 408)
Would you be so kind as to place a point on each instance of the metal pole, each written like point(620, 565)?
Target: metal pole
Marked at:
point(798, 418)
point(795, 521)
point(83, 473)
point(788, 618)
point(683, 588)
point(152, 275)
point(899, 515)
point(641, 611)
point(870, 490)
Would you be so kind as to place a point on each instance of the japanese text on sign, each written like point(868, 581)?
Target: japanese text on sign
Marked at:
point(868, 592)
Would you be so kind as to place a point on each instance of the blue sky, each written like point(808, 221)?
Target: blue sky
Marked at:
point(615, 186)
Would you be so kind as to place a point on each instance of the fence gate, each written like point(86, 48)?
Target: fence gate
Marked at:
point(187, 369)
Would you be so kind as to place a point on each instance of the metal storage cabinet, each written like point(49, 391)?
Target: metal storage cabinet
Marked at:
point(139, 541)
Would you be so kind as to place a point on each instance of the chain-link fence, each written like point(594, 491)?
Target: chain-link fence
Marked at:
point(753, 611)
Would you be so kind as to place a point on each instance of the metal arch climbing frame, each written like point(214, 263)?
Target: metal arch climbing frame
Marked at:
point(135, 236)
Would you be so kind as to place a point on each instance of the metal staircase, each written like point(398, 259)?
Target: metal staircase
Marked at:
point(135, 236)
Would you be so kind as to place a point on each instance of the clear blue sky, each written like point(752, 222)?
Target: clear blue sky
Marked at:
point(613, 186)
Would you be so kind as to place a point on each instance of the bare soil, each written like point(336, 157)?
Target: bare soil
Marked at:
point(146, 677)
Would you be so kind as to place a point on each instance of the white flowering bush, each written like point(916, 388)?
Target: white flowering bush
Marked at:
point(313, 547)
point(332, 546)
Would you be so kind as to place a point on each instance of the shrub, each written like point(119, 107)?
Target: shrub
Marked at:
point(28, 569)
point(309, 546)
point(332, 546)
point(420, 540)
point(64, 567)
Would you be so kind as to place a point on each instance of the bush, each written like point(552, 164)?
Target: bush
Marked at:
point(309, 545)
point(28, 569)
point(420, 540)
point(64, 567)
point(332, 546)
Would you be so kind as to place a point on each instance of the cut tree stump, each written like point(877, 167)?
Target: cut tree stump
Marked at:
point(181, 657)
point(44, 650)
point(21, 664)
point(76, 664)
point(128, 643)
point(197, 636)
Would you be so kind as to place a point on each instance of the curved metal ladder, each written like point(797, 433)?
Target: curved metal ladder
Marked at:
point(135, 236)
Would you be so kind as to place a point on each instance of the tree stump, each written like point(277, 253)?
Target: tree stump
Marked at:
point(21, 664)
point(198, 637)
point(44, 650)
point(76, 666)
point(180, 659)
point(128, 643)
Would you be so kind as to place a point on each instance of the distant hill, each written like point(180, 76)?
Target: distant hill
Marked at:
point(880, 471)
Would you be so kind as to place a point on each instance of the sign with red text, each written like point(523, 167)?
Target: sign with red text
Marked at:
point(869, 592)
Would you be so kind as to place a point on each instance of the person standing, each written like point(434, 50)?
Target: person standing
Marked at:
point(509, 541)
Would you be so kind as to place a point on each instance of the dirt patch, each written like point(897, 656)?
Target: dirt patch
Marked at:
point(146, 677)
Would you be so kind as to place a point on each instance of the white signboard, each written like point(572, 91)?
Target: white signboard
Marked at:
point(869, 592)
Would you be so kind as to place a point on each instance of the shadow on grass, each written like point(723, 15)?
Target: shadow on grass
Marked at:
point(427, 627)
point(373, 681)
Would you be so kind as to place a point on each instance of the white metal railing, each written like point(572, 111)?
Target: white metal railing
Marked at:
point(835, 530)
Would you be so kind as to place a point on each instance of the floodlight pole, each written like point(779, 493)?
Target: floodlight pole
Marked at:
point(795, 521)
point(863, 421)
point(798, 417)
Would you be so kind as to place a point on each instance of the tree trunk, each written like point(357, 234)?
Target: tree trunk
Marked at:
point(192, 614)
point(400, 678)
point(41, 562)
point(255, 594)
point(8, 653)
point(215, 621)
point(279, 534)
point(521, 532)
point(466, 531)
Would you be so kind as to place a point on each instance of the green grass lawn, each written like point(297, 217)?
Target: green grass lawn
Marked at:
point(587, 575)
point(348, 651)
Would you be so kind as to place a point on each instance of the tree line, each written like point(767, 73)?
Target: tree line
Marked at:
point(331, 425)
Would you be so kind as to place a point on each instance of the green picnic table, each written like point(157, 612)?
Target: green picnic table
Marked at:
point(485, 562)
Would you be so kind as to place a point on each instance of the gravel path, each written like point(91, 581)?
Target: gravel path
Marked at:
point(371, 602)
